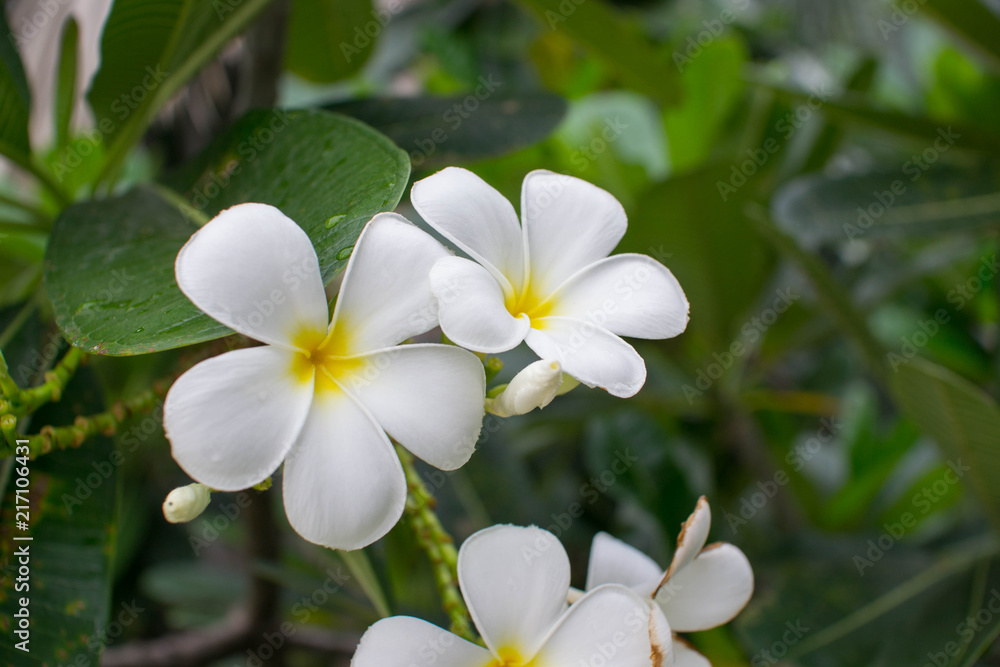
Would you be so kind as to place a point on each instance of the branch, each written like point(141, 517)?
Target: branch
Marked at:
point(243, 626)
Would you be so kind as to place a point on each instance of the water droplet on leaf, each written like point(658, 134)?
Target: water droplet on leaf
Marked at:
point(344, 253)
point(335, 220)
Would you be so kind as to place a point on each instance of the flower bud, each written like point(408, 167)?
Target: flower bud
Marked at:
point(186, 503)
point(534, 387)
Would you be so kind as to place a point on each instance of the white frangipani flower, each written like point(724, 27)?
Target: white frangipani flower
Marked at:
point(533, 387)
point(704, 586)
point(548, 281)
point(186, 503)
point(322, 395)
point(514, 581)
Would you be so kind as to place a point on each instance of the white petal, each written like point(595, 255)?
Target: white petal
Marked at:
point(692, 538)
point(476, 218)
point(386, 295)
point(429, 398)
point(343, 484)
point(592, 354)
point(232, 418)
point(710, 591)
point(629, 295)
point(569, 224)
point(686, 656)
point(661, 639)
point(471, 307)
point(614, 562)
point(608, 626)
point(254, 270)
point(404, 641)
point(515, 582)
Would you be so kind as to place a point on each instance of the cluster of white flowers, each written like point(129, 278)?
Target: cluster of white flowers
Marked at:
point(515, 582)
point(329, 395)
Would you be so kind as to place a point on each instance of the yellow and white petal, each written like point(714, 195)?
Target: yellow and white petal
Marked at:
point(692, 538)
point(404, 641)
point(254, 270)
point(343, 485)
point(386, 294)
point(615, 562)
point(590, 353)
point(607, 626)
point(232, 418)
point(471, 307)
point(428, 398)
point(711, 590)
point(569, 224)
point(476, 218)
point(629, 295)
point(514, 580)
point(685, 655)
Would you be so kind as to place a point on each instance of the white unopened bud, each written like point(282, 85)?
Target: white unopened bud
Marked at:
point(534, 387)
point(186, 503)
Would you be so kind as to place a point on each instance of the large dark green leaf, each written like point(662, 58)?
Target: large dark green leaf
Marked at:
point(329, 40)
point(445, 130)
point(72, 499)
point(909, 201)
point(962, 418)
point(15, 98)
point(109, 266)
point(619, 42)
point(149, 49)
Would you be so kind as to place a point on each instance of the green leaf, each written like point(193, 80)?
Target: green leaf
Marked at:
point(65, 94)
point(15, 98)
point(149, 49)
point(323, 38)
point(973, 23)
point(442, 130)
point(963, 420)
point(910, 201)
point(712, 85)
point(109, 264)
point(619, 42)
point(717, 256)
point(72, 500)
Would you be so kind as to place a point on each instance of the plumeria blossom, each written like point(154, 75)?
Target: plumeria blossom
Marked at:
point(323, 395)
point(548, 280)
point(186, 503)
point(704, 586)
point(515, 581)
point(534, 386)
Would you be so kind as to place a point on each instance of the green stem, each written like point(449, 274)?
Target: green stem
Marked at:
point(8, 387)
point(27, 208)
point(437, 544)
point(103, 423)
point(55, 382)
point(45, 180)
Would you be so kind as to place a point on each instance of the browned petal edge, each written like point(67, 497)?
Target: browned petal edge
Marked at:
point(680, 540)
point(657, 653)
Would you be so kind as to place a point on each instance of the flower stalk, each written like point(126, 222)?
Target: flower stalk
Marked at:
point(437, 544)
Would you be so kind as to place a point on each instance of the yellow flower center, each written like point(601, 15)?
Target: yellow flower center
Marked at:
point(325, 357)
point(510, 657)
point(529, 302)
